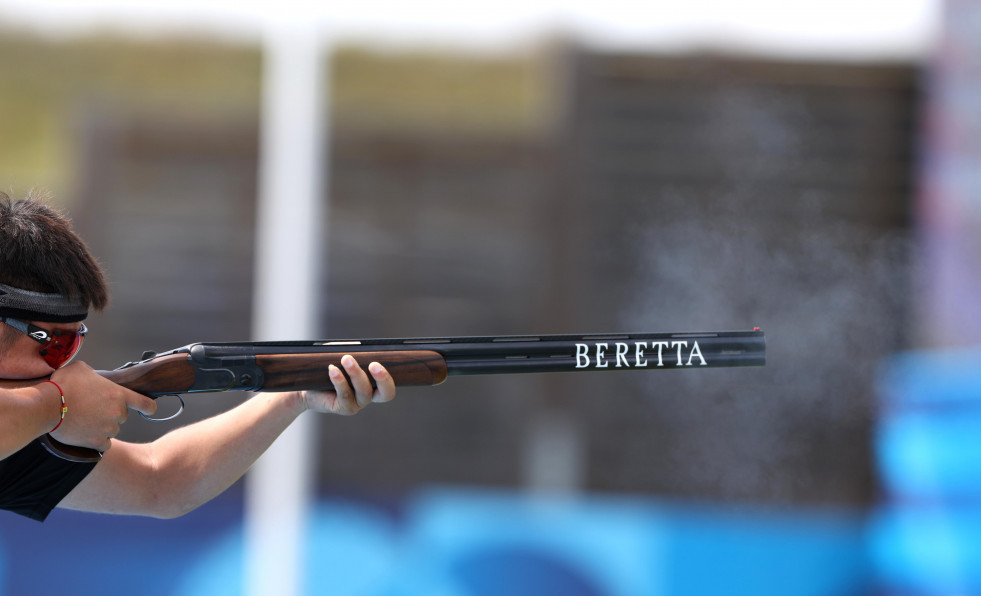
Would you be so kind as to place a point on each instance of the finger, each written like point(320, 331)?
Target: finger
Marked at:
point(384, 382)
point(359, 379)
point(141, 403)
point(346, 402)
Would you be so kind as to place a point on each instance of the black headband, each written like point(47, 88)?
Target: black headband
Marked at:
point(38, 306)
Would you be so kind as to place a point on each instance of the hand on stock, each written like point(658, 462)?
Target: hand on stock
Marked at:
point(353, 389)
point(96, 407)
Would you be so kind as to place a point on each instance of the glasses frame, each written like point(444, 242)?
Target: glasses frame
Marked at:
point(45, 337)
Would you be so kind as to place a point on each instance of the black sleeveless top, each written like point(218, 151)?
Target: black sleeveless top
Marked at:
point(33, 481)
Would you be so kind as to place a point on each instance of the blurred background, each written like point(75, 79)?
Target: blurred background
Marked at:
point(593, 168)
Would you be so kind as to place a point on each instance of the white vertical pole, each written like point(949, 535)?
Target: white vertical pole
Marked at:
point(286, 293)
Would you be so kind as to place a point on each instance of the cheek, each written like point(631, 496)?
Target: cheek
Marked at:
point(7, 338)
point(22, 360)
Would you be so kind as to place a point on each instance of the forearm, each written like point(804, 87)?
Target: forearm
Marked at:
point(27, 413)
point(198, 462)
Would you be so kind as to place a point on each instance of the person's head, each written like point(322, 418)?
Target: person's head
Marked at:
point(48, 277)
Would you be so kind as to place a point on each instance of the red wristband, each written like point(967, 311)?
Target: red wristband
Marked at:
point(64, 406)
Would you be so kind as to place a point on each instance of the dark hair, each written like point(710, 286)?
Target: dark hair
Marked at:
point(40, 252)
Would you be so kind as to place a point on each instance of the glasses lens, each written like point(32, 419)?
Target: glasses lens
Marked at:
point(62, 347)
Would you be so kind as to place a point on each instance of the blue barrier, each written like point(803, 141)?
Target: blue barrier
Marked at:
point(351, 549)
point(925, 538)
point(481, 543)
point(81, 553)
point(453, 542)
point(626, 547)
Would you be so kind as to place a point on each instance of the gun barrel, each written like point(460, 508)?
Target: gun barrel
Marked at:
point(615, 352)
point(540, 353)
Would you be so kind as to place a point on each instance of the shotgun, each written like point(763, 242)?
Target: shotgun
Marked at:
point(302, 365)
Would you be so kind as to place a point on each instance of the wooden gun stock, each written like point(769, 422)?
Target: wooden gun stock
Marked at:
point(297, 372)
point(288, 366)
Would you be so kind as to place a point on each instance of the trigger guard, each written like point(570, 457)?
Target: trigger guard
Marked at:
point(171, 417)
